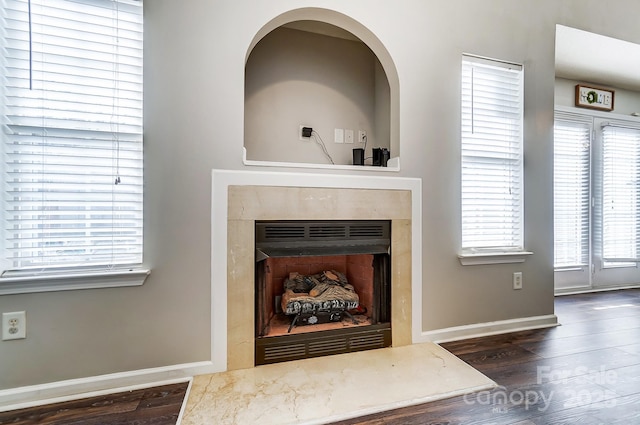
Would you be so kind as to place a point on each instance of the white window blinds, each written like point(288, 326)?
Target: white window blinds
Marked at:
point(620, 193)
point(71, 134)
point(571, 190)
point(492, 116)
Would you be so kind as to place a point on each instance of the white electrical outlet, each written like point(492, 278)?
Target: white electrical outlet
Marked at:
point(517, 280)
point(14, 325)
point(362, 137)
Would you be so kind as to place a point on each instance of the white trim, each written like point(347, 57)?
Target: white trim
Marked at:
point(493, 258)
point(74, 389)
point(392, 165)
point(222, 179)
point(593, 113)
point(71, 281)
point(485, 60)
point(478, 330)
point(184, 402)
point(589, 289)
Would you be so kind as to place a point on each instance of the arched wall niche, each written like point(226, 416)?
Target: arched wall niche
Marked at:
point(344, 93)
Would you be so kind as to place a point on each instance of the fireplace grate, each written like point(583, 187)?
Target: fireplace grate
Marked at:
point(368, 341)
point(321, 348)
point(284, 353)
point(284, 232)
point(332, 237)
point(323, 343)
point(308, 231)
point(359, 231)
point(327, 232)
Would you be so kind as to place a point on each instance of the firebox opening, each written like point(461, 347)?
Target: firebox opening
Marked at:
point(321, 288)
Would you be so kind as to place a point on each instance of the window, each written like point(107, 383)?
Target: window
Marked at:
point(620, 194)
point(492, 182)
point(596, 200)
point(71, 136)
point(571, 190)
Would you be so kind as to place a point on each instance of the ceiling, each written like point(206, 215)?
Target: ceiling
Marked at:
point(594, 58)
point(580, 55)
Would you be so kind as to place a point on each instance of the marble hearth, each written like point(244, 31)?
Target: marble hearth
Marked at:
point(240, 198)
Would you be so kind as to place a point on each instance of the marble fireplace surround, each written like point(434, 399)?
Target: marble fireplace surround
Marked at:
point(239, 198)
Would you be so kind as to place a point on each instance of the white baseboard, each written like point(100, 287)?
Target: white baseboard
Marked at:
point(489, 328)
point(73, 389)
point(589, 290)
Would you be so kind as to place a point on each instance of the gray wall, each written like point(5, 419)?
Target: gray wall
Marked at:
point(298, 78)
point(194, 101)
point(625, 102)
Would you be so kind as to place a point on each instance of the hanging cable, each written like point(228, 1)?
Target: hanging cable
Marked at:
point(320, 142)
point(364, 149)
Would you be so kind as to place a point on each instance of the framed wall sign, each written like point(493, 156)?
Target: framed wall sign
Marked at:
point(594, 98)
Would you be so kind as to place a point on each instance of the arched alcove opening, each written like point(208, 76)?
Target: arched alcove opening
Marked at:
point(320, 69)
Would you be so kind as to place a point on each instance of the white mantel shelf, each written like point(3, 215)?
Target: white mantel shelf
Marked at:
point(393, 165)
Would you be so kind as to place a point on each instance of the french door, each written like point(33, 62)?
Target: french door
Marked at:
point(596, 202)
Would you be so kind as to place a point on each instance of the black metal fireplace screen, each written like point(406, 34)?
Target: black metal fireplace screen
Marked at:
point(331, 294)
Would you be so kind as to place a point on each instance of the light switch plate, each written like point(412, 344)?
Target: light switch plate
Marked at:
point(348, 136)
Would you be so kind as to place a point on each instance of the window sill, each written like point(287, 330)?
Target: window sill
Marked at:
point(393, 165)
point(71, 281)
point(477, 259)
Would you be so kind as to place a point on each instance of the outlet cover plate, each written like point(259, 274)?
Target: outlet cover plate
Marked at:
point(348, 136)
point(362, 135)
point(517, 280)
point(14, 325)
point(300, 137)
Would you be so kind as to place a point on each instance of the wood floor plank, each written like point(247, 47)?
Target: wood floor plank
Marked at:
point(67, 411)
point(501, 356)
point(158, 406)
point(631, 348)
point(622, 410)
point(475, 345)
point(554, 347)
point(625, 381)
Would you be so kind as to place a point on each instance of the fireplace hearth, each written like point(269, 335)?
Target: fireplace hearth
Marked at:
point(322, 288)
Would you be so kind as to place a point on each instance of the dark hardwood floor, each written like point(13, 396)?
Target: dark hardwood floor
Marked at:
point(585, 372)
point(152, 406)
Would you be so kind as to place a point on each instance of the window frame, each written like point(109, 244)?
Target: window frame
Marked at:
point(476, 255)
point(582, 163)
point(599, 274)
point(610, 164)
point(73, 277)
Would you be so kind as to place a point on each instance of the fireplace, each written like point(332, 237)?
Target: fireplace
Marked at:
point(322, 287)
point(240, 198)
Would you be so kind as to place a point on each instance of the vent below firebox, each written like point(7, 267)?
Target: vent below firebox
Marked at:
point(296, 238)
point(323, 343)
